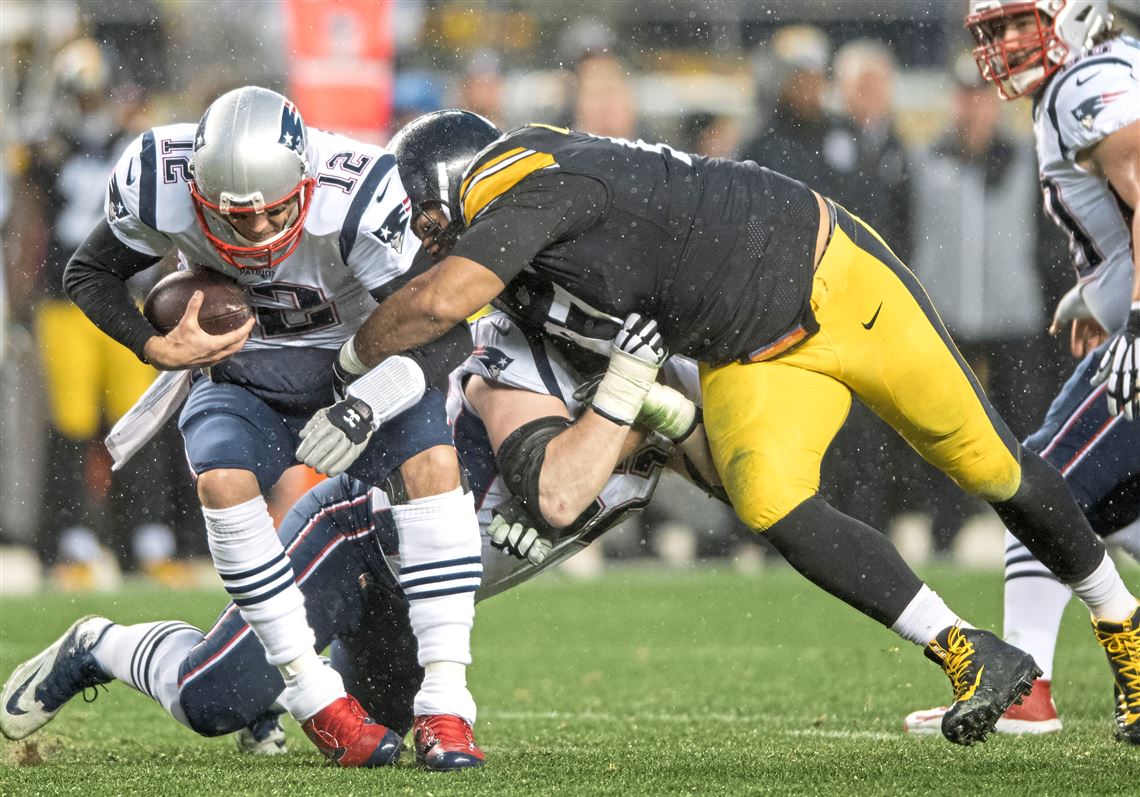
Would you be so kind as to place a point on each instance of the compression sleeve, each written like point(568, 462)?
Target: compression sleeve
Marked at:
point(542, 209)
point(96, 280)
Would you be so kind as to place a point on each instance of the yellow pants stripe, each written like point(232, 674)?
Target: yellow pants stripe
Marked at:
point(770, 423)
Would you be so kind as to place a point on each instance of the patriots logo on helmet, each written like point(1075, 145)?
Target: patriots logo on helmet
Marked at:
point(494, 360)
point(292, 128)
point(1087, 112)
point(391, 231)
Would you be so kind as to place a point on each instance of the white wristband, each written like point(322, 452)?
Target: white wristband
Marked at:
point(390, 388)
point(623, 389)
point(349, 360)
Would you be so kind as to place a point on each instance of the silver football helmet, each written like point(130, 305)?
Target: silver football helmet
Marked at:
point(249, 159)
point(1018, 65)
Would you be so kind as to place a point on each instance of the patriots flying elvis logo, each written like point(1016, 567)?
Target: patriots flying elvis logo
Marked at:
point(494, 360)
point(292, 129)
point(1087, 112)
point(391, 231)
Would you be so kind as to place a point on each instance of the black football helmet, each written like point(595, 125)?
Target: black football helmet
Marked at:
point(432, 153)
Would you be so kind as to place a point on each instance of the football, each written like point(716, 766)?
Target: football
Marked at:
point(225, 307)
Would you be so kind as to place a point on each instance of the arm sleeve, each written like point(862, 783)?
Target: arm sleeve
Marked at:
point(533, 214)
point(443, 355)
point(96, 280)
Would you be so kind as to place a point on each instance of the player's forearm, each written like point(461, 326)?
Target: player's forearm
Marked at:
point(96, 281)
point(695, 447)
point(425, 308)
point(578, 463)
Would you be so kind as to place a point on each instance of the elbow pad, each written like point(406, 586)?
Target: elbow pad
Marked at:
point(520, 460)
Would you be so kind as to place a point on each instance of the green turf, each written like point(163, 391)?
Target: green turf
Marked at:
point(644, 682)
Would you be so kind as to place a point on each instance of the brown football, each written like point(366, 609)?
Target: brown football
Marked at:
point(225, 307)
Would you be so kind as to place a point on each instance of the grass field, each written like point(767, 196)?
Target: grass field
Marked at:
point(644, 682)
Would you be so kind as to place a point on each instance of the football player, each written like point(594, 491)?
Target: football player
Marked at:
point(790, 304)
point(511, 404)
point(314, 226)
point(1084, 80)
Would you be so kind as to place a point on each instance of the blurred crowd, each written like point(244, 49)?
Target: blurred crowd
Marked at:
point(883, 110)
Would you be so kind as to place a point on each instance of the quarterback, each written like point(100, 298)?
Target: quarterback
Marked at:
point(346, 553)
point(1084, 80)
point(314, 226)
point(790, 304)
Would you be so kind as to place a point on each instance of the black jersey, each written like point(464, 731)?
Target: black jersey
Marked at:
point(719, 252)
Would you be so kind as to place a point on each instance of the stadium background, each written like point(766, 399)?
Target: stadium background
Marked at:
point(665, 678)
point(703, 76)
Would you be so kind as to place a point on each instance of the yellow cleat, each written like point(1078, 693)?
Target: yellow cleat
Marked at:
point(987, 674)
point(1121, 642)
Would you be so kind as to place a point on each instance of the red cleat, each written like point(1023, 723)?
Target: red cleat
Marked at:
point(1036, 714)
point(348, 737)
point(445, 742)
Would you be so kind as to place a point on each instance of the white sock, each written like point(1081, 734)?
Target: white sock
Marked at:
point(308, 685)
point(1105, 594)
point(1127, 539)
point(440, 569)
point(444, 691)
point(1034, 604)
point(147, 657)
point(925, 616)
point(258, 575)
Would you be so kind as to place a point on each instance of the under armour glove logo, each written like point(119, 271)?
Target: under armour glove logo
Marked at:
point(353, 417)
point(1120, 368)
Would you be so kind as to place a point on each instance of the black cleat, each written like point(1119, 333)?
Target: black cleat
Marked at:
point(988, 676)
point(1121, 641)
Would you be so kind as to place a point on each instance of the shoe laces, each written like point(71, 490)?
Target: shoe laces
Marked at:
point(449, 729)
point(959, 660)
point(1123, 648)
point(347, 720)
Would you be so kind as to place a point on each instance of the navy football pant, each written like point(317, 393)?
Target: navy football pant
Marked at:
point(352, 601)
point(1098, 454)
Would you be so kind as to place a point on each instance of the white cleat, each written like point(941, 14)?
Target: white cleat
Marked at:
point(263, 736)
point(1034, 716)
point(39, 687)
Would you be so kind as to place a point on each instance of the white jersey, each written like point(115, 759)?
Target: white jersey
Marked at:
point(357, 235)
point(1088, 99)
point(507, 355)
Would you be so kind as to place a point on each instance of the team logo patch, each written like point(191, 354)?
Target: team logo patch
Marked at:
point(1087, 112)
point(116, 207)
point(494, 360)
point(391, 231)
point(292, 128)
point(200, 133)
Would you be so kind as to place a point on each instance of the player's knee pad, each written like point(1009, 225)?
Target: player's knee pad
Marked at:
point(994, 476)
point(762, 496)
point(521, 456)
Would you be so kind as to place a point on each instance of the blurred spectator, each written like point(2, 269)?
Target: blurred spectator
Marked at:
point(90, 380)
point(604, 103)
point(710, 135)
point(481, 89)
point(865, 144)
point(791, 135)
point(976, 233)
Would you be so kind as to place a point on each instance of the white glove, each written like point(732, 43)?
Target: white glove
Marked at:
point(518, 540)
point(335, 436)
point(1120, 367)
point(636, 354)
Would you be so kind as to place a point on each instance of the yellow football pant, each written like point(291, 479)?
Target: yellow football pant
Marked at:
point(770, 423)
point(91, 380)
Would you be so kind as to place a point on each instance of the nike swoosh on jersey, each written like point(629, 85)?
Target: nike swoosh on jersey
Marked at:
point(1080, 82)
point(130, 172)
point(13, 704)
